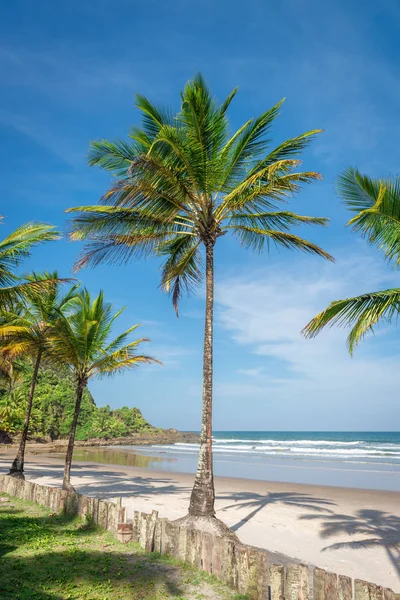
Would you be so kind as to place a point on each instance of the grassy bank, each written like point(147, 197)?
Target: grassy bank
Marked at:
point(49, 557)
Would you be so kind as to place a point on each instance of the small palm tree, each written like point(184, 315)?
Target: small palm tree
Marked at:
point(184, 181)
point(82, 342)
point(13, 250)
point(377, 207)
point(26, 331)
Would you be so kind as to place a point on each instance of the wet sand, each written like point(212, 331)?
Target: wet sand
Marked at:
point(348, 531)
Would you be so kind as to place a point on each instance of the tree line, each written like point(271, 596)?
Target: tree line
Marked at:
point(43, 321)
point(183, 181)
point(53, 409)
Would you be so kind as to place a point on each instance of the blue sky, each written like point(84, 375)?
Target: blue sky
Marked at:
point(68, 72)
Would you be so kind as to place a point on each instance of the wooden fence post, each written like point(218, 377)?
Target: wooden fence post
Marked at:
point(297, 585)
point(276, 581)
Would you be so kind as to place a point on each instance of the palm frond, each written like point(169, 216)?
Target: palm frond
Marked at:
point(254, 238)
point(288, 150)
point(249, 143)
point(182, 270)
point(283, 220)
point(121, 359)
point(28, 327)
point(264, 189)
point(380, 222)
point(27, 287)
point(82, 340)
point(17, 246)
point(115, 156)
point(358, 192)
point(360, 313)
point(153, 118)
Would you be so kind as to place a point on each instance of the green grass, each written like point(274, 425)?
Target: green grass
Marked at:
point(52, 557)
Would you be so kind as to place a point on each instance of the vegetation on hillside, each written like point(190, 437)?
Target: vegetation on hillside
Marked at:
point(52, 413)
point(71, 330)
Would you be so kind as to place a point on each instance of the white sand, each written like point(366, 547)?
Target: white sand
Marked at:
point(348, 531)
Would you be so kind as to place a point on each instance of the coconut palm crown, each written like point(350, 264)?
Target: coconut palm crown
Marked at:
point(15, 248)
point(83, 343)
point(182, 181)
point(376, 203)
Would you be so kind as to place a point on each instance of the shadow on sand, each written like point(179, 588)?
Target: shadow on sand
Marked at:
point(257, 502)
point(377, 529)
point(106, 483)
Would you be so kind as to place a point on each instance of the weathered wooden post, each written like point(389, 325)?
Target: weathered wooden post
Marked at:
point(276, 581)
point(297, 585)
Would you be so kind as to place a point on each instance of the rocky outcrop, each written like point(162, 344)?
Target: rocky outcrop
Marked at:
point(165, 436)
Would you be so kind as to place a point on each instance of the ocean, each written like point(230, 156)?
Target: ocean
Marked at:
point(352, 459)
point(372, 447)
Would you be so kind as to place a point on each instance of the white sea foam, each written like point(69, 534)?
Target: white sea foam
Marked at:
point(279, 450)
point(369, 451)
point(289, 442)
point(363, 450)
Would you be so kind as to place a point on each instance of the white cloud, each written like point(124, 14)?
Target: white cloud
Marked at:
point(171, 356)
point(250, 372)
point(264, 311)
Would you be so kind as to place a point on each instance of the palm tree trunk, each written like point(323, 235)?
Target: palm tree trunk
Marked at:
point(203, 493)
point(17, 468)
point(68, 459)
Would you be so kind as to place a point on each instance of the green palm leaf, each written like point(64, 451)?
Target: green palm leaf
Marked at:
point(377, 207)
point(360, 313)
point(14, 249)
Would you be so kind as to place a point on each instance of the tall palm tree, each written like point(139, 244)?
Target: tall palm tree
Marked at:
point(82, 342)
point(376, 203)
point(26, 331)
point(13, 250)
point(182, 182)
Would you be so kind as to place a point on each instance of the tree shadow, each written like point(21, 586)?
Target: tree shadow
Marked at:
point(257, 502)
point(25, 529)
point(46, 559)
point(64, 573)
point(107, 483)
point(376, 528)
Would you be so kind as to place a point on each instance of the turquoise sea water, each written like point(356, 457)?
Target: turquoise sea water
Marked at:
point(373, 447)
point(351, 459)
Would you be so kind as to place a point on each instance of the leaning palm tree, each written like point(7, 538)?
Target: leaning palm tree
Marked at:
point(182, 182)
point(377, 207)
point(82, 342)
point(26, 331)
point(13, 250)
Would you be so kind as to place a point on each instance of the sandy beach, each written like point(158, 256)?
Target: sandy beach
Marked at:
point(349, 531)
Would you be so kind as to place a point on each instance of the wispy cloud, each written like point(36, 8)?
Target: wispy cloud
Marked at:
point(250, 372)
point(171, 356)
point(264, 311)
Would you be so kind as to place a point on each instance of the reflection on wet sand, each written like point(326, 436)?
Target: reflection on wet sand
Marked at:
point(110, 456)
